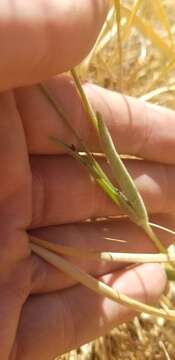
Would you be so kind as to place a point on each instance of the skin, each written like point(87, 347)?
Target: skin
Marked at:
point(44, 192)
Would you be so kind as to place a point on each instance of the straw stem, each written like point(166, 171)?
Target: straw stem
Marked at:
point(103, 256)
point(98, 286)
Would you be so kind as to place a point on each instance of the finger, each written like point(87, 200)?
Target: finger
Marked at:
point(64, 192)
point(15, 180)
point(14, 291)
point(66, 320)
point(15, 215)
point(118, 235)
point(137, 128)
point(39, 39)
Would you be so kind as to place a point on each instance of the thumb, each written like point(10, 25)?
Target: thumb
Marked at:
point(40, 38)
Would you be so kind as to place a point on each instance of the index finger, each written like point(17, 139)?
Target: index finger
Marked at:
point(138, 128)
point(42, 38)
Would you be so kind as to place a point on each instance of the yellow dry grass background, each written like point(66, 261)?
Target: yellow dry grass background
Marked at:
point(147, 52)
point(147, 71)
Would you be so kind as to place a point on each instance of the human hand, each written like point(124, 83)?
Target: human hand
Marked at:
point(44, 192)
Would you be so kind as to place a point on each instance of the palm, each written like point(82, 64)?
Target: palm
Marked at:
point(48, 195)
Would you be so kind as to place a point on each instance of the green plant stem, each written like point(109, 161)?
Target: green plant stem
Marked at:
point(152, 235)
point(59, 110)
point(87, 106)
point(169, 268)
point(89, 162)
point(121, 174)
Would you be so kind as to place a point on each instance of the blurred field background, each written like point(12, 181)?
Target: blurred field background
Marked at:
point(144, 68)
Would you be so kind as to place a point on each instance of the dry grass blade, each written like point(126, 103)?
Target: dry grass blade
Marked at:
point(117, 6)
point(163, 18)
point(130, 19)
point(163, 347)
point(148, 31)
point(157, 92)
point(169, 66)
point(103, 34)
point(163, 228)
point(103, 256)
point(98, 286)
point(59, 110)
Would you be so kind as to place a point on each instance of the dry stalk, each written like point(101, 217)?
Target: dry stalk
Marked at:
point(103, 256)
point(98, 286)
